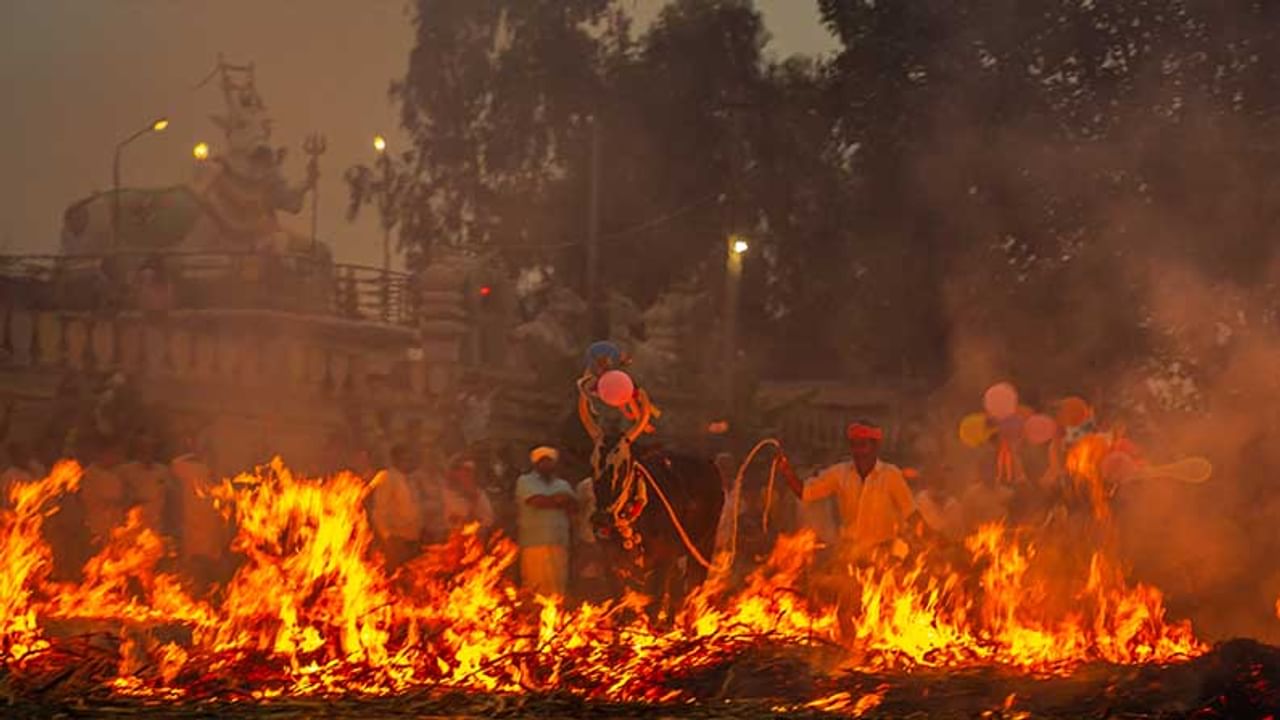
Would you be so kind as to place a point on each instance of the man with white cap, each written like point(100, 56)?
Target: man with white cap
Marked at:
point(544, 503)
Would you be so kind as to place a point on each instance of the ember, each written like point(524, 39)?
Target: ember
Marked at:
point(312, 612)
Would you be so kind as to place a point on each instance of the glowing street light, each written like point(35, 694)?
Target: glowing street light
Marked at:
point(159, 125)
point(740, 246)
point(200, 151)
point(379, 143)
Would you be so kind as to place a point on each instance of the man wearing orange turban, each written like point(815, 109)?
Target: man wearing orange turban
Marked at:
point(872, 497)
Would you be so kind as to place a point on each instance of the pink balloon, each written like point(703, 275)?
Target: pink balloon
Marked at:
point(615, 388)
point(1039, 429)
point(1000, 401)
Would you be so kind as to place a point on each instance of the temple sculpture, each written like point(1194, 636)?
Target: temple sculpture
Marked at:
point(230, 205)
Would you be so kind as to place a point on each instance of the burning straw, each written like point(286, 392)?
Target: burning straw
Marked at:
point(313, 613)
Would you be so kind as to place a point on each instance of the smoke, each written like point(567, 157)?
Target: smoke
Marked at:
point(1134, 271)
point(1180, 355)
point(1213, 391)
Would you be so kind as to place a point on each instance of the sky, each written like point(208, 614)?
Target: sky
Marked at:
point(77, 76)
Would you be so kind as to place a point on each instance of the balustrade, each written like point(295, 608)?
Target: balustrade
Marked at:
point(198, 348)
point(207, 280)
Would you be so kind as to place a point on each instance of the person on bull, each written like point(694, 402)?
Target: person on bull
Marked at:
point(545, 504)
point(873, 501)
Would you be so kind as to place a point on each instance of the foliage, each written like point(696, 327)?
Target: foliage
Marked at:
point(1009, 176)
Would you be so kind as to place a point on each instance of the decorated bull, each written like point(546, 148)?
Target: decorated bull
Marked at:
point(656, 511)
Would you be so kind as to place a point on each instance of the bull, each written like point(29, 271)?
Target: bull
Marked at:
point(657, 511)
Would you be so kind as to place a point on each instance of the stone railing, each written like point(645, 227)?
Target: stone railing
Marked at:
point(201, 281)
point(257, 350)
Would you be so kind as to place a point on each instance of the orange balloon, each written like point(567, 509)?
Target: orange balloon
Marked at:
point(1073, 412)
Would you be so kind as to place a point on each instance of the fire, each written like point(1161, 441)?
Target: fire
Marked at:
point(313, 610)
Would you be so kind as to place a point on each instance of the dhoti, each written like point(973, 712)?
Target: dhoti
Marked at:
point(544, 569)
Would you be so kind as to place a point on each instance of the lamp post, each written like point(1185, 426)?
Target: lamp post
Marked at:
point(736, 247)
point(157, 125)
point(386, 200)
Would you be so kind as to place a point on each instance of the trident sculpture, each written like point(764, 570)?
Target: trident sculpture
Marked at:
point(314, 146)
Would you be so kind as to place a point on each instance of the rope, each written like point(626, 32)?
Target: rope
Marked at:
point(737, 490)
point(684, 535)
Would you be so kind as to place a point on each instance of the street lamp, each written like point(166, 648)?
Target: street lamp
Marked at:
point(384, 162)
point(387, 199)
point(157, 125)
point(736, 247)
point(200, 151)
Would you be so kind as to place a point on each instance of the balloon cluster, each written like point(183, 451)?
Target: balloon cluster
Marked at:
point(1005, 417)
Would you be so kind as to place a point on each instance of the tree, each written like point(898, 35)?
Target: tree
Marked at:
point(497, 99)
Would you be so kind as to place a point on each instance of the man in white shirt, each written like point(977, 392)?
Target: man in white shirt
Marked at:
point(872, 498)
point(396, 516)
point(464, 501)
point(545, 504)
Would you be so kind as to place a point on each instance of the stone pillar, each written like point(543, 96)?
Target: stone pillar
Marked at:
point(130, 349)
point(442, 323)
point(227, 352)
point(180, 351)
point(317, 366)
point(156, 348)
point(77, 335)
point(49, 338)
point(293, 362)
point(102, 343)
point(22, 325)
point(339, 367)
point(204, 349)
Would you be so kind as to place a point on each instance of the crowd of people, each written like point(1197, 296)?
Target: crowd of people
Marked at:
point(860, 506)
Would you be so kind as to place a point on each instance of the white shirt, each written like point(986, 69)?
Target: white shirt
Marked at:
point(395, 506)
point(586, 508)
point(946, 517)
point(541, 526)
point(726, 528)
point(460, 510)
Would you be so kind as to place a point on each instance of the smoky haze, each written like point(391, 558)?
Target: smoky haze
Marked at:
point(77, 77)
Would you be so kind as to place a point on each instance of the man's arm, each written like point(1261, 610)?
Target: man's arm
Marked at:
point(553, 499)
point(901, 495)
point(823, 485)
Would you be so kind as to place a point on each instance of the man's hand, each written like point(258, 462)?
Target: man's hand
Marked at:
point(567, 502)
point(789, 475)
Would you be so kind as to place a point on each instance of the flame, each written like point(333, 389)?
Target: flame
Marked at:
point(313, 611)
point(1084, 463)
